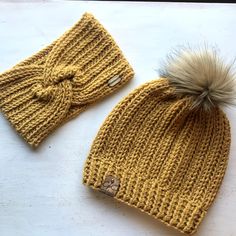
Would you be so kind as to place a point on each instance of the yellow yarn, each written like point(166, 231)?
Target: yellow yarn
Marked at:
point(167, 159)
point(56, 84)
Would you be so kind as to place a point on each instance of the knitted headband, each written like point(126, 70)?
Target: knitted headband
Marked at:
point(164, 148)
point(54, 85)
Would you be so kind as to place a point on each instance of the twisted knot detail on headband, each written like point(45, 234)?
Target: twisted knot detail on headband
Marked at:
point(66, 77)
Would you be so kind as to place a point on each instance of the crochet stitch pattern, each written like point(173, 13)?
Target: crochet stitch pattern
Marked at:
point(164, 149)
point(56, 84)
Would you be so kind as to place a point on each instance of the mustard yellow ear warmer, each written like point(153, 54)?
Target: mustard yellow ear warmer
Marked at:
point(164, 148)
point(54, 85)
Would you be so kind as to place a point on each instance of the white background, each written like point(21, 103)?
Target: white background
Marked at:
point(41, 192)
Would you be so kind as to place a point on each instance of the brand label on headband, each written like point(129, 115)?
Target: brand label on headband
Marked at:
point(114, 80)
point(110, 185)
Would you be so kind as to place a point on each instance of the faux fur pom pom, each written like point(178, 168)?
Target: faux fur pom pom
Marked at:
point(202, 75)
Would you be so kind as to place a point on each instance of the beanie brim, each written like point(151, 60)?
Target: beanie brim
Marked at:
point(147, 196)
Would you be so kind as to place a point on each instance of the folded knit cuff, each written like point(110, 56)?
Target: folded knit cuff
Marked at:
point(44, 91)
point(143, 194)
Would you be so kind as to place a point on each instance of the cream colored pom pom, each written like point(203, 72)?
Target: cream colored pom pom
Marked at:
point(202, 75)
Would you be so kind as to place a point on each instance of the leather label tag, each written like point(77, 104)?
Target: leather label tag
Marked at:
point(110, 185)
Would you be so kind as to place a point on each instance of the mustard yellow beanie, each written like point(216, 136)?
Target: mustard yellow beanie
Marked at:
point(164, 148)
point(54, 85)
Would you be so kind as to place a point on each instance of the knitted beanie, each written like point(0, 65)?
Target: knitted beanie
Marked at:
point(164, 148)
point(54, 85)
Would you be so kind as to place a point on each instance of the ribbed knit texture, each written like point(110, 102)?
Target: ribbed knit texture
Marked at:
point(56, 84)
point(169, 159)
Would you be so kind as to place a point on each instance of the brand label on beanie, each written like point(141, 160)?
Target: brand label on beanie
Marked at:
point(110, 185)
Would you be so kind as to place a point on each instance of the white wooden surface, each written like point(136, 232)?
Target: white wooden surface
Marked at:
point(41, 193)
